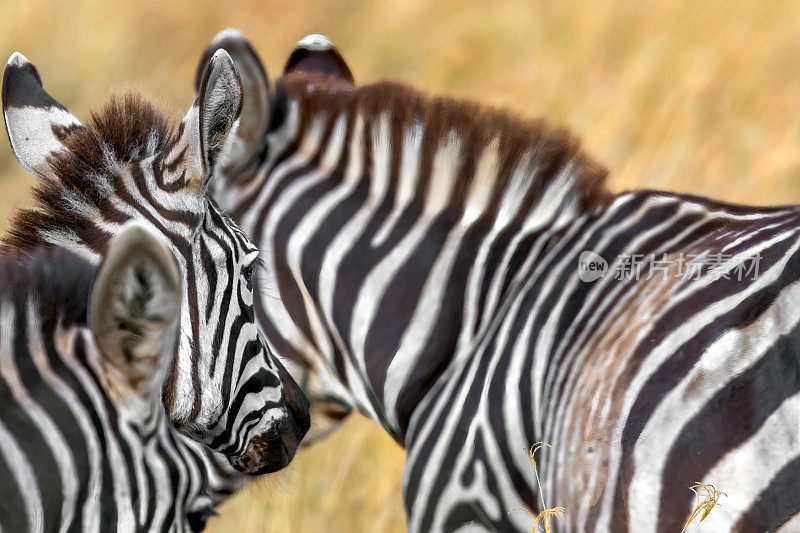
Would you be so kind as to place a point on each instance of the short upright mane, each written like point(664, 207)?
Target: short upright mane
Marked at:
point(125, 125)
point(474, 125)
point(126, 129)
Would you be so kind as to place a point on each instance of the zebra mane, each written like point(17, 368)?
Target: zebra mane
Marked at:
point(474, 125)
point(59, 281)
point(126, 129)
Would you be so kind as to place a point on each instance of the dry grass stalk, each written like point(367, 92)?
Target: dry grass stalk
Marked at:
point(547, 514)
point(707, 498)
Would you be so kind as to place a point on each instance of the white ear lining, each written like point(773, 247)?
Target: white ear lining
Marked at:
point(32, 116)
point(30, 130)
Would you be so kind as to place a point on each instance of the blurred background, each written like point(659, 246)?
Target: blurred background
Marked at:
point(700, 97)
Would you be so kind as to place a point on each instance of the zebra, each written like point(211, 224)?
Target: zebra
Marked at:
point(224, 388)
point(85, 443)
point(459, 275)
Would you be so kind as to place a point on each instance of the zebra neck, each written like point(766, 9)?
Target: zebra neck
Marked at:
point(394, 223)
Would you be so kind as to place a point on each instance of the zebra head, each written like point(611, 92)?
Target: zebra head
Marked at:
point(133, 318)
point(223, 388)
point(315, 54)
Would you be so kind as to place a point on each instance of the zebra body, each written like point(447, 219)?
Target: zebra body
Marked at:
point(223, 389)
point(423, 266)
point(80, 449)
point(643, 387)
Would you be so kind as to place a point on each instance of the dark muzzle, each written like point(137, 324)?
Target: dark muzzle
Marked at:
point(275, 448)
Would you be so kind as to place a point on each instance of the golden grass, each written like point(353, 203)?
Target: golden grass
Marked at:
point(671, 94)
point(350, 482)
point(547, 514)
point(707, 498)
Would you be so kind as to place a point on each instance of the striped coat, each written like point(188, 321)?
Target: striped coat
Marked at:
point(85, 443)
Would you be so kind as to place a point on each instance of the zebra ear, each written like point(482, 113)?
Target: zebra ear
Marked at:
point(316, 54)
point(35, 122)
point(215, 115)
point(133, 307)
point(255, 89)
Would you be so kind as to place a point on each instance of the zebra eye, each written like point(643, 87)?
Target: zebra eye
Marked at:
point(250, 268)
point(248, 272)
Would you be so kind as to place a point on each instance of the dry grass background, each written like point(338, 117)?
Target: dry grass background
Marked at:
point(672, 94)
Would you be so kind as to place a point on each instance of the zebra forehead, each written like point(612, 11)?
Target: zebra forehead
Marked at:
point(220, 219)
point(473, 127)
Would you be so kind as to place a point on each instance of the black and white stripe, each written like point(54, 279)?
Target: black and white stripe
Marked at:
point(224, 388)
point(423, 266)
point(80, 447)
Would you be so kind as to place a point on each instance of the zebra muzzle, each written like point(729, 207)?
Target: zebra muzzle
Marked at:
point(274, 449)
point(268, 452)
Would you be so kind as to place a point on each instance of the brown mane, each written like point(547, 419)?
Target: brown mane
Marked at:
point(122, 130)
point(475, 124)
point(86, 173)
